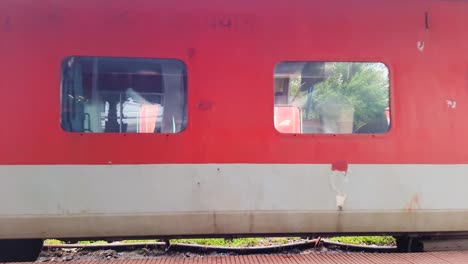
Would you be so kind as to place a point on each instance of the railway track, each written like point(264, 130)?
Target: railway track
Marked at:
point(184, 247)
point(362, 258)
point(307, 251)
point(110, 251)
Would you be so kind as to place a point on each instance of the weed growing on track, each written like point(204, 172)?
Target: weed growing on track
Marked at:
point(366, 240)
point(53, 242)
point(238, 242)
point(251, 242)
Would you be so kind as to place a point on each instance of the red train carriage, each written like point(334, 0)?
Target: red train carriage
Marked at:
point(174, 118)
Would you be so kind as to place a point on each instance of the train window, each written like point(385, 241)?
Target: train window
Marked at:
point(331, 98)
point(123, 95)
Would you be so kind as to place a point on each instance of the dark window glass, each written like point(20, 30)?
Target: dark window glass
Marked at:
point(123, 95)
point(331, 98)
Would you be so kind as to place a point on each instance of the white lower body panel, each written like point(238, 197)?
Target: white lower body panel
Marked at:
point(208, 199)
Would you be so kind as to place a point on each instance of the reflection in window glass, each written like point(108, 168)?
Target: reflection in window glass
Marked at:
point(331, 97)
point(123, 95)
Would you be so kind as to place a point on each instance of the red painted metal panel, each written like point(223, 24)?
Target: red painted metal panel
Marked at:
point(230, 49)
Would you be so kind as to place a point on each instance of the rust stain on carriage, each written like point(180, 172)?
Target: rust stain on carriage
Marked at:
point(339, 170)
point(413, 204)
